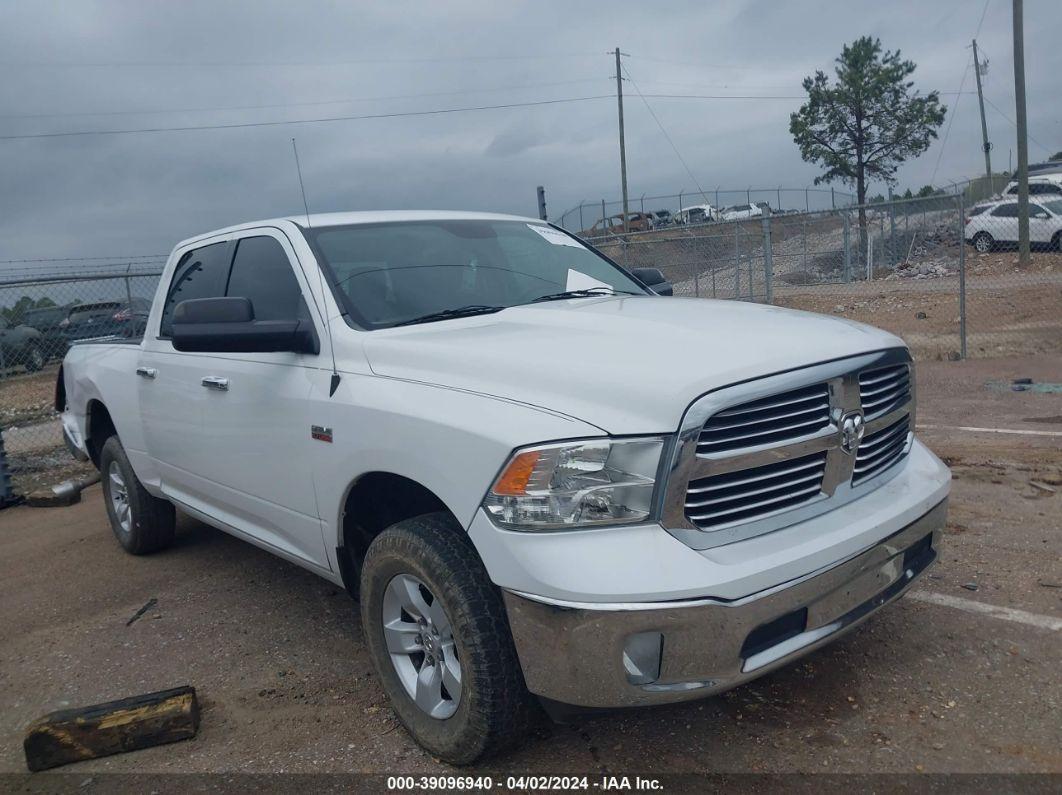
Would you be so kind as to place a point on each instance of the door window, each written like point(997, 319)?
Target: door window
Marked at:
point(1006, 211)
point(262, 272)
point(201, 273)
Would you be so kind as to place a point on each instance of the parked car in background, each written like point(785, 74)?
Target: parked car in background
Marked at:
point(20, 345)
point(637, 222)
point(48, 321)
point(765, 208)
point(662, 218)
point(991, 224)
point(602, 227)
point(738, 212)
point(1047, 185)
point(106, 319)
point(613, 225)
point(696, 214)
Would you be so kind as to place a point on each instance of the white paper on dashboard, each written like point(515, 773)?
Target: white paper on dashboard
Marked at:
point(580, 281)
point(555, 237)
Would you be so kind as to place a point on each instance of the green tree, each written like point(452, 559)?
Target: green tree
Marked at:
point(867, 122)
point(1056, 156)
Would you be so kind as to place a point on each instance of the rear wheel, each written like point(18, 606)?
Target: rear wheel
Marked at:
point(141, 523)
point(439, 637)
point(34, 358)
point(983, 242)
point(1057, 242)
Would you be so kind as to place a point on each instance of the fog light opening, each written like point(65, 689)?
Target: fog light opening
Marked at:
point(641, 657)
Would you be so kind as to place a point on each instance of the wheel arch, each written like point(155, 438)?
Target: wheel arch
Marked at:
point(374, 501)
point(99, 427)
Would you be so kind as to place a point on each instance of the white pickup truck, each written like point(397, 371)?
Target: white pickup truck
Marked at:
point(538, 476)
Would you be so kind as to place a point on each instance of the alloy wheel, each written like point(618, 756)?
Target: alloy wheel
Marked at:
point(119, 495)
point(420, 641)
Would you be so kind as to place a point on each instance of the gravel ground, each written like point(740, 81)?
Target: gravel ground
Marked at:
point(286, 686)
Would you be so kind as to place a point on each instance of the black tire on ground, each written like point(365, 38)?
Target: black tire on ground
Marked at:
point(34, 358)
point(494, 709)
point(983, 242)
point(148, 521)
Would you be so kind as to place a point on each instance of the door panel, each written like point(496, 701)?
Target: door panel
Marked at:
point(240, 454)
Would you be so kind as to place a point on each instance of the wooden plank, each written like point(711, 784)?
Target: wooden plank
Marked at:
point(128, 724)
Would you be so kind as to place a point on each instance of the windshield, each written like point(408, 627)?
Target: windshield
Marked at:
point(391, 273)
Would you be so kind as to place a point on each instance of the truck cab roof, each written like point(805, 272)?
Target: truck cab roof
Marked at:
point(363, 217)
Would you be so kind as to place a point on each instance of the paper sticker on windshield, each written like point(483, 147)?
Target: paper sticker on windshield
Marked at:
point(555, 237)
point(580, 281)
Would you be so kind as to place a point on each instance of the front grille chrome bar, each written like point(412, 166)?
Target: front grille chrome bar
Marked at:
point(765, 454)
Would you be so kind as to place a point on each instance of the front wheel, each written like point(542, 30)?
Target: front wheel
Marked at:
point(983, 242)
point(438, 635)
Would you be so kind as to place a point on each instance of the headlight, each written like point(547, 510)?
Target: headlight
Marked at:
point(576, 484)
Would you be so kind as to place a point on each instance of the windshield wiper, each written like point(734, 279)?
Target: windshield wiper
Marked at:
point(447, 314)
point(588, 292)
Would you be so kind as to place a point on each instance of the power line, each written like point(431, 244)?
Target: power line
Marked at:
point(1005, 116)
point(297, 104)
point(238, 125)
point(951, 120)
point(344, 62)
point(125, 258)
point(438, 112)
point(726, 96)
point(678, 154)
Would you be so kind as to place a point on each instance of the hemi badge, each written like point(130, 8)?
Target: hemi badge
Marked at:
point(321, 433)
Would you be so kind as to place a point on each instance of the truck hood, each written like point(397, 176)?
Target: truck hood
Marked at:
point(626, 365)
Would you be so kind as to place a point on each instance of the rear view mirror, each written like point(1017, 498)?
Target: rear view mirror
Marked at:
point(227, 325)
point(653, 279)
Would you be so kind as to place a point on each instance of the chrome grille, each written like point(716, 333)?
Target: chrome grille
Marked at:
point(770, 420)
point(879, 451)
point(762, 455)
point(754, 493)
point(884, 390)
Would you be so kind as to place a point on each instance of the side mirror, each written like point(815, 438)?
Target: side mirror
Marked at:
point(227, 325)
point(654, 280)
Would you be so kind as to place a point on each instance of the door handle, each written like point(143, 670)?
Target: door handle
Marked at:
point(215, 382)
point(147, 372)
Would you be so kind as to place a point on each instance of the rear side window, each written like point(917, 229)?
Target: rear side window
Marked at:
point(261, 272)
point(1006, 211)
point(201, 273)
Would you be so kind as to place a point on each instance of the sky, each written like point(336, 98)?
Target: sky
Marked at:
point(136, 64)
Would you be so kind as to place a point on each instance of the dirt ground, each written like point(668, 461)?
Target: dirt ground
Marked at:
point(286, 685)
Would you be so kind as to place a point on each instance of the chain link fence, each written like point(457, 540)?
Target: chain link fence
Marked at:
point(42, 312)
point(593, 218)
point(943, 276)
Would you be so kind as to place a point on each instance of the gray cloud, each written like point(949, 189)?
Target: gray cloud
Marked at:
point(122, 194)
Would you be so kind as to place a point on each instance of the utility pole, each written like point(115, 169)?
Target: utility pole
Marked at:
point(623, 148)
point(542, 203)
point(1023, 140)
point(984, 125)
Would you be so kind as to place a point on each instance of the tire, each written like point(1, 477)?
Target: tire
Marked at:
point(34, 358)
point(142, 523)
point(983, 242)
point(492, 709)
point(1058, 241)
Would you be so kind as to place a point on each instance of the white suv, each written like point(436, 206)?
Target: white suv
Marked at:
point(994, 223)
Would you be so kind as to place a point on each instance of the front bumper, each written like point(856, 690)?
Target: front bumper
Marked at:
point(639, 654)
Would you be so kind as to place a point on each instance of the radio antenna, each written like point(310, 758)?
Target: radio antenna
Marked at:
point(334, 385)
